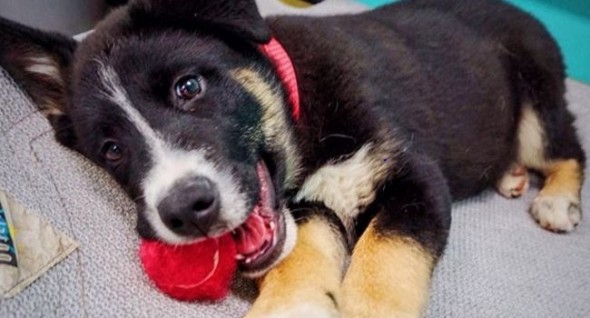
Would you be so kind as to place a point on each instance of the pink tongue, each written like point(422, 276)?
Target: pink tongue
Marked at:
point(252, 234)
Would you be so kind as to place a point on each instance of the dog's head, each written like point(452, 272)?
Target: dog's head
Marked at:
point(175, 101)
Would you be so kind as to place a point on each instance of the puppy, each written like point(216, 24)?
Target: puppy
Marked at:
point(397, 112)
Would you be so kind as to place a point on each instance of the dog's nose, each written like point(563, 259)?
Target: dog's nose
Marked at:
point(191, 207)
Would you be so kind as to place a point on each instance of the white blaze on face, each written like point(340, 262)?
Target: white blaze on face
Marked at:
point(171, 164)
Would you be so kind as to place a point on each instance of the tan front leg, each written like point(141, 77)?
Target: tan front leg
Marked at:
point(306, 284)
point(389, 276)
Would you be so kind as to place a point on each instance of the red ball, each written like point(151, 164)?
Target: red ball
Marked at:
point(199, 271)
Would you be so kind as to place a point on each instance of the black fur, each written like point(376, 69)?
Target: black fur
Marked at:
point(305, 211)
point(416, 204)
point(240, 18)
point(433, 102)
point(452, 78)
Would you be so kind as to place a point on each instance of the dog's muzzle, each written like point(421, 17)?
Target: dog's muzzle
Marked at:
point(191, 208)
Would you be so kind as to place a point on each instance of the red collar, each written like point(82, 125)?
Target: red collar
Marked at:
point(286, 72)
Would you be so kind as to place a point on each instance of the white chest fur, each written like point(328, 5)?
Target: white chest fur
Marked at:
point(349, 186)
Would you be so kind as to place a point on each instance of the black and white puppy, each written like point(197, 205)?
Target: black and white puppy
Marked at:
point(402, 110)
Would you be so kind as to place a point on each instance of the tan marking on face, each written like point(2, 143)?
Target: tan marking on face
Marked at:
point(300, 282)
point(274, 121)
point(349, 186)
point(387, 277)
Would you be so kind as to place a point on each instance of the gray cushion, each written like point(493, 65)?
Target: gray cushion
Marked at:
point(499, 263)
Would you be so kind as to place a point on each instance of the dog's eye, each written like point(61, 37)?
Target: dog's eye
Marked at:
point(190, 87)
point(112, 152)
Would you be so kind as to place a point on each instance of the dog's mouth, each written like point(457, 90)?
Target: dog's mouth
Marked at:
point(260, 237)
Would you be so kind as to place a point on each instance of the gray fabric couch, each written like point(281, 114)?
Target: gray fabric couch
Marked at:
point(499, 263)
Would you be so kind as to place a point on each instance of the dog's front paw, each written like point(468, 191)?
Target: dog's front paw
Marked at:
point(556, 213)
point(297, 310)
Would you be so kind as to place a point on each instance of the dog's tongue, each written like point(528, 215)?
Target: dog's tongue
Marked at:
point(252, 234)
point(258, 228)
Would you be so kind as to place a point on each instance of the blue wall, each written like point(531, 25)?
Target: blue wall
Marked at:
point(567, 20)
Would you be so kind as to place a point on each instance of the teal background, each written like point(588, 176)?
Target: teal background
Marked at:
point(567, 20)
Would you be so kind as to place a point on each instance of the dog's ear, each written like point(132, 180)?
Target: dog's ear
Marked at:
point(237, 17)
point(39, 62)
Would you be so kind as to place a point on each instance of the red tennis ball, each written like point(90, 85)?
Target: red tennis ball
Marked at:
point(199, 271)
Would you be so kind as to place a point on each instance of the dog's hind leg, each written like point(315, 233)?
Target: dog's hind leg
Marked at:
point(547, 140)
point(548, 144)
point(307, 282)
point(515, 182)
point(392, 263)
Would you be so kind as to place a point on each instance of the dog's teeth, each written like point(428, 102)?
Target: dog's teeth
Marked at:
point(240, 257)
point(272, 225)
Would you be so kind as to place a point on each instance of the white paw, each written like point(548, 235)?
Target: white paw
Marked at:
point(556, 213)
point(306, 310)
point(514, 183)
point(320, 307)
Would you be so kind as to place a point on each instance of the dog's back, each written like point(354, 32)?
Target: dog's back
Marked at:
point(440, 72)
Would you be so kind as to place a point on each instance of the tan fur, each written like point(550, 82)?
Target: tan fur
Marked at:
point(297, 3)
point(347, 187)
point(274, 121)
point(561, 174)
point(47, 68)
point(557, 207)
point(388, 277)
point(50, 108)
point(299, 284)
point(562, 177)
